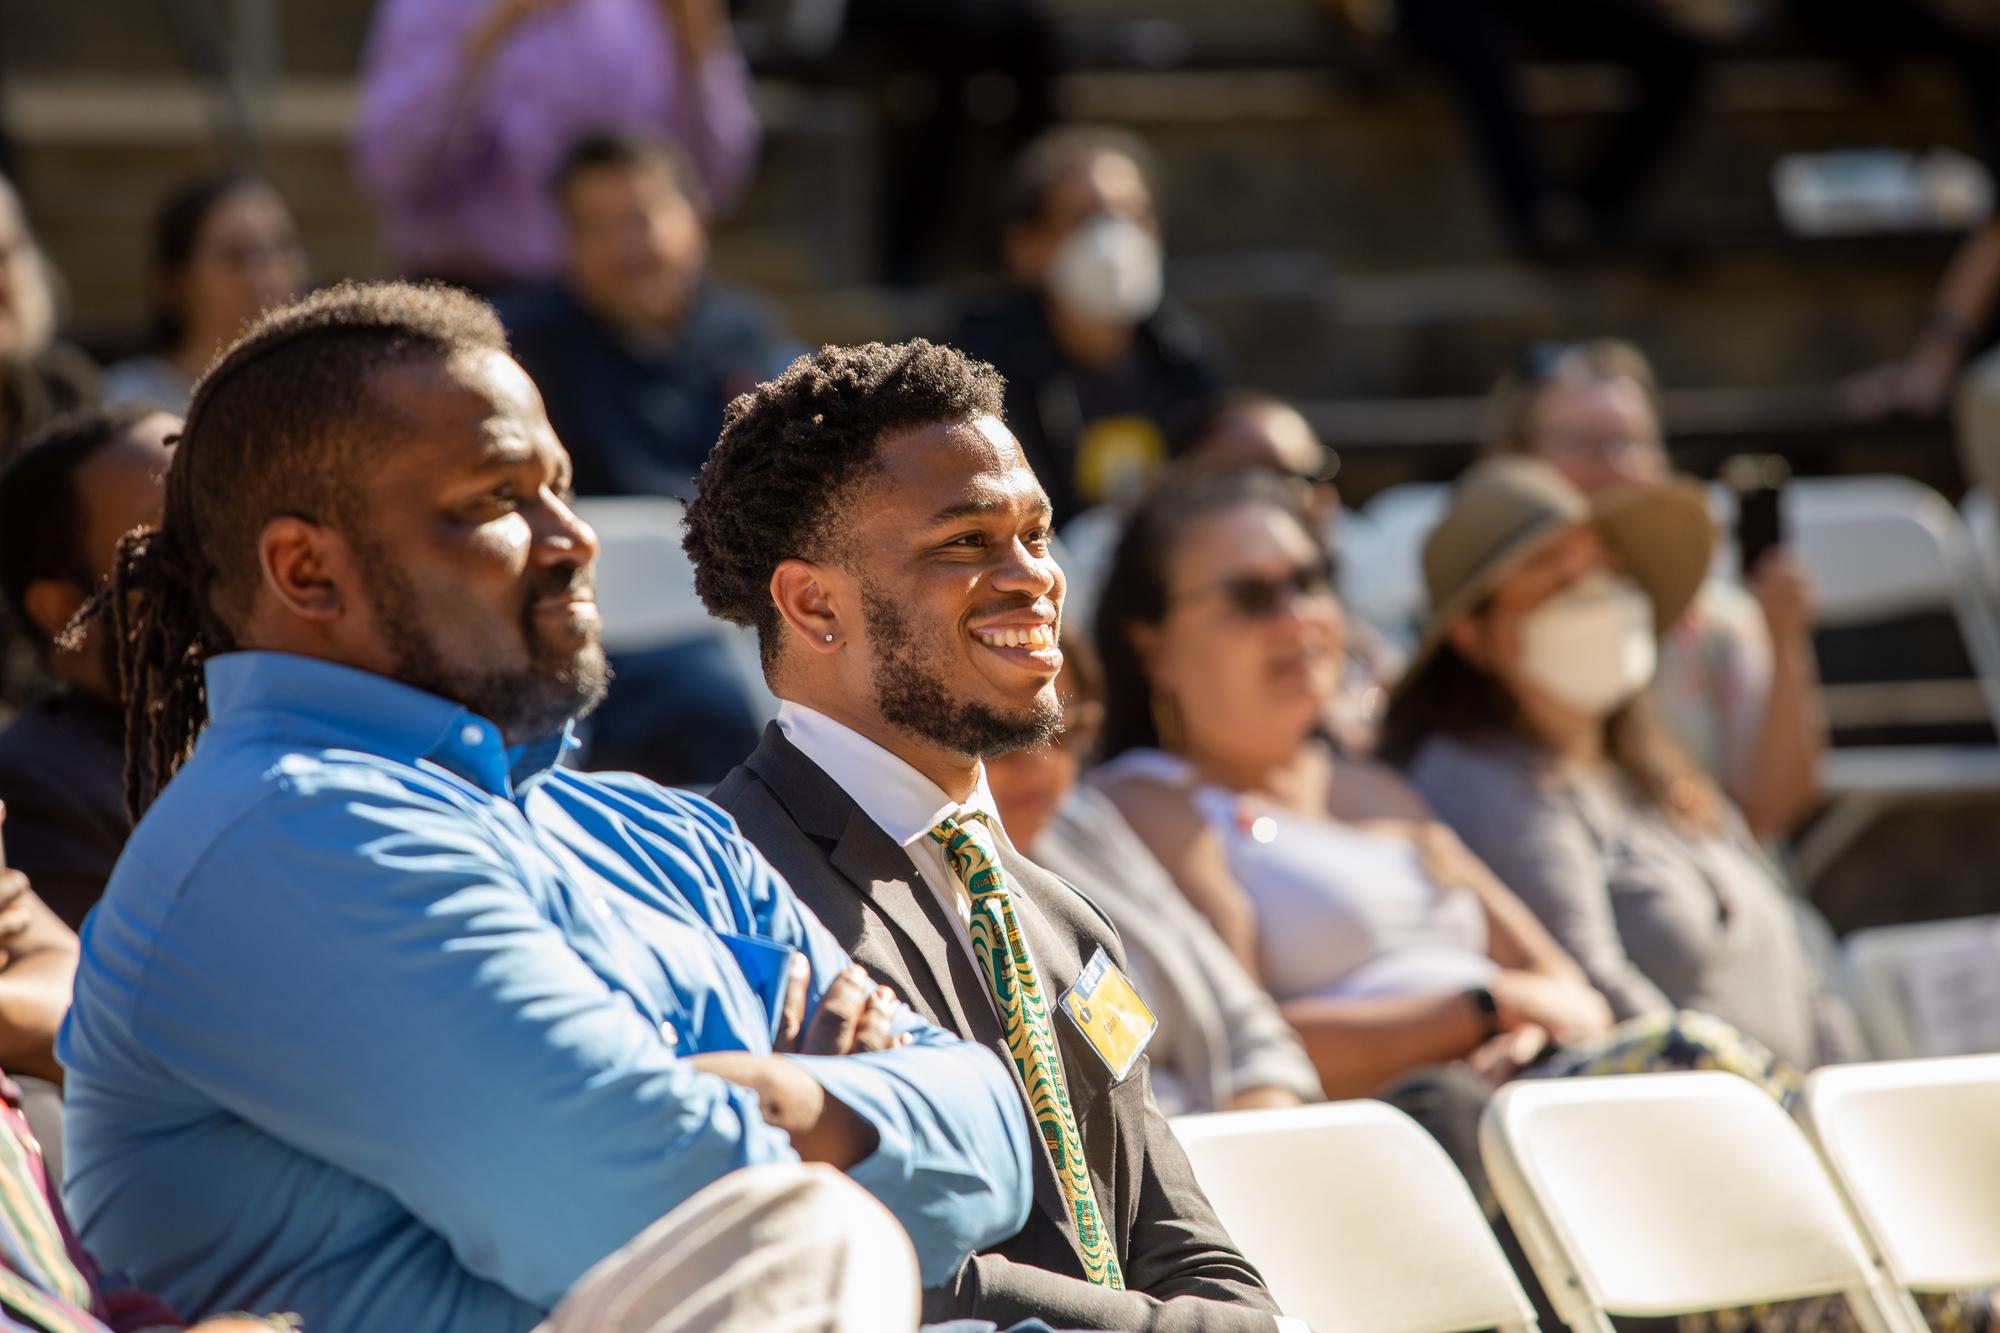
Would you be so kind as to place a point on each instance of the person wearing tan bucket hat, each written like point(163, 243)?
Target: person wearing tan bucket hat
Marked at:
point(1525, 720)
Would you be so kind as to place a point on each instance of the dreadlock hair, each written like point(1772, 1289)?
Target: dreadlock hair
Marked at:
point(278, 426)
point(42, 512)
point(792, 450)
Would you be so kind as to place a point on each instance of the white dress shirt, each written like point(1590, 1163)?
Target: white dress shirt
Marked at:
point(907, 806)
point(904, 803)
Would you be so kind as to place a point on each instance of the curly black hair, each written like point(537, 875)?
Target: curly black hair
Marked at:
point(792, 451)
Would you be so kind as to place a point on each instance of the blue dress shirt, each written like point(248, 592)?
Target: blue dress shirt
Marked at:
point(379, 1022)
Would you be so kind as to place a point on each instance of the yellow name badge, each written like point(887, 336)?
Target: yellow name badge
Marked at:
point(1108, 1011)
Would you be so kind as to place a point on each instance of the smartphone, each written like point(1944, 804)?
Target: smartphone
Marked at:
point(1759, 483)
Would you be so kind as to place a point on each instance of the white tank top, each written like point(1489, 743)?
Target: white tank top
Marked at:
point(1342, 912)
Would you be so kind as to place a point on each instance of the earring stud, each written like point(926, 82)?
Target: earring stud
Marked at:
point(829, 638)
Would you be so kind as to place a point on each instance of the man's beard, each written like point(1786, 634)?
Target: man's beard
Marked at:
point(910, 670)
point(557, 685)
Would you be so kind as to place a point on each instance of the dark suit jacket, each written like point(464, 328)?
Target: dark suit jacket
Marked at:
point(1182, 1273)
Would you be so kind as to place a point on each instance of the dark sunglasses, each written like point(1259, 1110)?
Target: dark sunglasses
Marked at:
point(1255, 597)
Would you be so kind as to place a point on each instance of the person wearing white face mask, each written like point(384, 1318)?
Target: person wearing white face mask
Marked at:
point(1099, 360)
point(1526, 721)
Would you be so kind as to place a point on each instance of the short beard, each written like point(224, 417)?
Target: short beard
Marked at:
point(910, 692)
point(526, 703)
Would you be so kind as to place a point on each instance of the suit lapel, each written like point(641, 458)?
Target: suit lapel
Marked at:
point(883, 874)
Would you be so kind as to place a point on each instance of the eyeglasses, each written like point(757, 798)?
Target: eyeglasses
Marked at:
point(1255, 597)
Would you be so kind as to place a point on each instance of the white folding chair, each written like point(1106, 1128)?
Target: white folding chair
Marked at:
point(1879, 548)
point(1662, 1194)
point(1927, 988)
point(1084, 552)
point(645, 587)
point(1356, 1219)
point(1915, 1147)
point(1382, 559)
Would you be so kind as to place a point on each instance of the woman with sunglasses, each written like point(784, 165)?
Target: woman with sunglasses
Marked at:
point(1525, 719)
point(1386, 944)
point(1221, 1044)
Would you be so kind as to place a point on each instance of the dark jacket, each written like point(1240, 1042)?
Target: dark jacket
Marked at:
point(1183, 1275)
point(1089, 433)
point(62, 775)
point(640, 419)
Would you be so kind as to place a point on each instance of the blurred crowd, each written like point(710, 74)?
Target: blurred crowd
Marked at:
point(1542, 838)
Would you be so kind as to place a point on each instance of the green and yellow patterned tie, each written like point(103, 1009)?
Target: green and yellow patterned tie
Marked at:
point(1024, 1015)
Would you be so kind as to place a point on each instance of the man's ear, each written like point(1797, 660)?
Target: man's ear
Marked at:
point(811, 609)
point(50, 603)
point(305, 567)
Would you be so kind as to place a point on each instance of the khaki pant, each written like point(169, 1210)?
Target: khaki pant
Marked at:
point(768, 1249)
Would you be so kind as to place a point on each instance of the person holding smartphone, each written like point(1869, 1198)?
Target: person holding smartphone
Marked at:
point(1738, 684)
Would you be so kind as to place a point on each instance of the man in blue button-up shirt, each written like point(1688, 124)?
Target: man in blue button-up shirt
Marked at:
point(384, 1017)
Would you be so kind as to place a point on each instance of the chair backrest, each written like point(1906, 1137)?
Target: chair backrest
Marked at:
point(1928, 988)
point(1355, 1217)
point(1084, 551)
point(645, 587)
point(1915, 1146)
point(1909, 644)
point(1658, 1194)
point(1382, 565)
point(645, 584)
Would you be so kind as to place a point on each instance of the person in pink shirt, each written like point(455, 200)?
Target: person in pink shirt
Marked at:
point(467, 107)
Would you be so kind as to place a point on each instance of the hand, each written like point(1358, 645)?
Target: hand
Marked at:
point(1913, 387)
point(1785, 590)
point(497, 24)
point(1504, 1056)
point(698, 25)
point(853, 1015)
point(1569, 1010)
point(1266, 1098)
point(16, 907)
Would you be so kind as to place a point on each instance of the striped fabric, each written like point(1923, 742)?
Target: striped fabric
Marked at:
point(1024, 1014)
point(40, 1288)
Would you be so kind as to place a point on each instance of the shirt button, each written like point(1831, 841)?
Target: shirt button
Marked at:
point(669, 1036)
point(473, 733)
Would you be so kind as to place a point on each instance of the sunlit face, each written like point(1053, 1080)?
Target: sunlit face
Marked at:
point(1491, 637)
point(636, 245)
point(1031, 783)
point(1249, 649)
point(1274, 437)
point(947, 544)
point(480, 572)
point(246, 259)
point(1598, 433)
point(1105, 184)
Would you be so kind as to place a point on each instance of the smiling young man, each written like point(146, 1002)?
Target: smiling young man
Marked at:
point(385, 1018)
point(870, 515)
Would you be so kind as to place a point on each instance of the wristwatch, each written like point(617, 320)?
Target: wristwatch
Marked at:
point(1489, 1010)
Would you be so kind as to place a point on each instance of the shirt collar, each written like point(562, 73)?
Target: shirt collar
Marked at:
point(904, 803)
point(378, 714)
